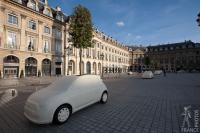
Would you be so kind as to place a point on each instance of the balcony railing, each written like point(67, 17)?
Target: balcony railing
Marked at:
point(11, 46)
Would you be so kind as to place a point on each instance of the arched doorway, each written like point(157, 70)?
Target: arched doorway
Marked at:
point(71, 67)
point(31, 67)
point(99, 68)
point(10, 66)
point(88, 67)
point(95, 68)
point(46, 67)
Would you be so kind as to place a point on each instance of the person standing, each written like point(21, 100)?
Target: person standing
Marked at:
point(164, 72)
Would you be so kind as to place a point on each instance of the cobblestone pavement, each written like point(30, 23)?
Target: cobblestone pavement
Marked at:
point(135, 105)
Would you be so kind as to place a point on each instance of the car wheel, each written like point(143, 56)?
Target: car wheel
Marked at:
point(62, 114)
point(104, 97)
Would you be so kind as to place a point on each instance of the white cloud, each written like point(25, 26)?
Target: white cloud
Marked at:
point(120, 24)
point(138, 37)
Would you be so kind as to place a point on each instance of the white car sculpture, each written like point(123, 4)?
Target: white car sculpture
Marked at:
point(147, 75)
point(158, 72)
point(63, 97)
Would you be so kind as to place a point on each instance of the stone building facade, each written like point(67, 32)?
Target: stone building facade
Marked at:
point(106, 55)
point(174, 57)
point(34, 42)
point(136, 58)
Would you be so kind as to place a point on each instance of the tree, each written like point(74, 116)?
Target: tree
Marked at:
point(147, 61)
point(81, 30)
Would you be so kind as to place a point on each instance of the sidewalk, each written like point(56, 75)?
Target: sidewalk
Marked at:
point(28, 81)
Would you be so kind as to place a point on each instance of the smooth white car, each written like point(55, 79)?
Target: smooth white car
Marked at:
point(158, 72)
point(147, 75)
point(63, 97)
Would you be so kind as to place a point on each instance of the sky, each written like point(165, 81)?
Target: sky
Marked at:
point(141, 22)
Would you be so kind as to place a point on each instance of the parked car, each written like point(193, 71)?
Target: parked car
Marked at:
point(158, 72)
point(130, 73)
point(65, 96)
point(147, 75)
point(181, 71)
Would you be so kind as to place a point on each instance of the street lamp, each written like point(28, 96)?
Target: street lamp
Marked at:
point(102, 57)
point(119, 60)
point(198, 19)
point(69, 50)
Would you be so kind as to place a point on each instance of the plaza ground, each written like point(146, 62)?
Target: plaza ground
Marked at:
point(135, 105)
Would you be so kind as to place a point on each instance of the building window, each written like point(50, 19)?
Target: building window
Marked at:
point(46, 30)
point(12, 40)
point(58, 46)
point(87, 52)
point(46, 46)
point(31, 43)
point(12, 19)
point(32, 25)
point(57, 33)
point(98, 55)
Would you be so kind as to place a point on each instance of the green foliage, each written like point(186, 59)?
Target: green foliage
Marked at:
point(80, 28)
point(147, 61)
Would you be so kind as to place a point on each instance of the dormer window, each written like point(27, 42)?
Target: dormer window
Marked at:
point(32, 25)
point(18, 1)
point(33, 4)
point(48, 12)
point(43, 1)
point(59, 17)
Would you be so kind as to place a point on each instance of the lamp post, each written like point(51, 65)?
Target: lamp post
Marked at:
point(102, 57)
point(198, 19)
point(68, 54)
point(119, 60)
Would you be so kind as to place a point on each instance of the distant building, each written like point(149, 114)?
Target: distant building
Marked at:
point(136, 58)
point(176, 56)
